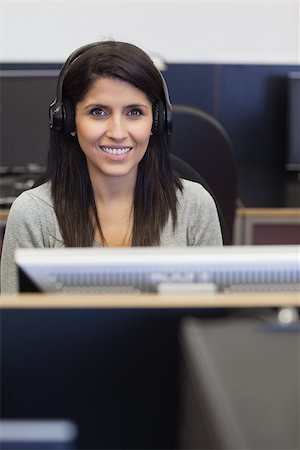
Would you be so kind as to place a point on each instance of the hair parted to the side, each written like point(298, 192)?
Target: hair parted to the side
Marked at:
point(72, 191)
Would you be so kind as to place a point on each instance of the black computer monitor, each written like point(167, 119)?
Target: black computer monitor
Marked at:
point(111, 371)
point(25, 99)
point(293, 125)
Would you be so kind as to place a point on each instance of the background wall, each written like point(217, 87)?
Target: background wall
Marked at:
point(222, 31)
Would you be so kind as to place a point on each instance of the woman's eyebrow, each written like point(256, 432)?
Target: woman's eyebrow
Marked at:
point(100, 105)
point(96, 105)
point(137, 105)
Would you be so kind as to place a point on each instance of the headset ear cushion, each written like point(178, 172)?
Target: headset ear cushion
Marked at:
point(155, 119)
point(69, 116)
point(159, 121)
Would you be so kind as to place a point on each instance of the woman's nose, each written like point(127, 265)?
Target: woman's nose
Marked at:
point(116, 127)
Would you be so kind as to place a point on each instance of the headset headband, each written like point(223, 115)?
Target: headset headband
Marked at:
point(59, 109)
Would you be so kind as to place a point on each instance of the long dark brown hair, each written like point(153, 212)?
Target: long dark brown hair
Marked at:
point(72, 192)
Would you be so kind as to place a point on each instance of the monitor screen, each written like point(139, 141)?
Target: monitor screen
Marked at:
point(293, 125)
point(25, 99)
point(159, 269)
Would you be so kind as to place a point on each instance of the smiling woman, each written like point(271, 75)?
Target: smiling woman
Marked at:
point(109, 180)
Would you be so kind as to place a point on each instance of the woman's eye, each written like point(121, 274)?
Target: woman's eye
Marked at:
point(97, 112)
point(135, 112)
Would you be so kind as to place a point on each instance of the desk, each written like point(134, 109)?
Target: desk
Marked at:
point(267, 226)
point(108, 363)
point(99, 301)
point(3, 215)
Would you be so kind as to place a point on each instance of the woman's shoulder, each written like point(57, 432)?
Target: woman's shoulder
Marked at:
point(40, 193)
point(38, 198)
point(192, 191)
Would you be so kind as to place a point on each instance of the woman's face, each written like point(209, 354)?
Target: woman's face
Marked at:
point(113, 126)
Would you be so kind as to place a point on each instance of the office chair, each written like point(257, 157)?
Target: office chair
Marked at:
point(184, 170)
point(202, 142)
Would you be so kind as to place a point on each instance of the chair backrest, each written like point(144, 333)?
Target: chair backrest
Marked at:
point(184, 170)
point(202, 142)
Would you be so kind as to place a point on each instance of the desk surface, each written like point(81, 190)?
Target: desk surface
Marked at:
point(222, 300)
point(284, 213)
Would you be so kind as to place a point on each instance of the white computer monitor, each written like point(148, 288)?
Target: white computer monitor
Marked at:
point(159, 269)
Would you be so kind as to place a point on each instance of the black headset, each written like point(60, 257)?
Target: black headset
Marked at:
point(61, 111)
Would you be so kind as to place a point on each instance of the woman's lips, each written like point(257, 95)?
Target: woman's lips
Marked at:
point(116, 153)
point(115, 150)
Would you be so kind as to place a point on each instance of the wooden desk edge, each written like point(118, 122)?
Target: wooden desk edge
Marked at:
point(269, 212)
point(3, 214)
point(224, 300)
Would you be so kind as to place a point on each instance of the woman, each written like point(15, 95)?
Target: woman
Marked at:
point(109, 180)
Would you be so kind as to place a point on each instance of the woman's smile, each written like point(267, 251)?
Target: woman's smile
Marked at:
point(115, 153)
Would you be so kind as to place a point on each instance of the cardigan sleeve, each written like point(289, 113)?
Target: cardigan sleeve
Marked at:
point(26, 226)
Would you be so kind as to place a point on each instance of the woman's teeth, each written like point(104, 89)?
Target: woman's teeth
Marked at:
point(116, 151)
